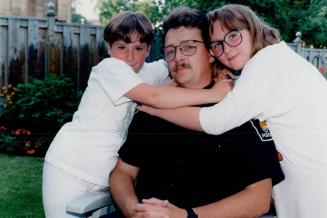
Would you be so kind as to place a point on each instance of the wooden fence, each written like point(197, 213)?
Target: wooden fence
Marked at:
point(318, 57)
point(32, 46)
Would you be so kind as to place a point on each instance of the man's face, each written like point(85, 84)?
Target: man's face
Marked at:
point(190, 71)
point(133, 54)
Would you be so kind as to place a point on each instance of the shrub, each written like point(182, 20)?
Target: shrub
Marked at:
point(33, 112)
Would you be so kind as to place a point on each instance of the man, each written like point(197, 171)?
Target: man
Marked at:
point(210, 176)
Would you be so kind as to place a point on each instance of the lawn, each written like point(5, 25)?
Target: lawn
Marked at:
point(20, 186)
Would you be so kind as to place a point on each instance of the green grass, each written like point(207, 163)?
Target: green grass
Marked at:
point(20, 186)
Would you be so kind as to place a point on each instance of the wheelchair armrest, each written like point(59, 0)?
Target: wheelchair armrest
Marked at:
point(89, 202)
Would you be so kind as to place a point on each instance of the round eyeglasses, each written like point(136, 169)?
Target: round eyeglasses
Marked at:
point(188, 48)
point(233, 38)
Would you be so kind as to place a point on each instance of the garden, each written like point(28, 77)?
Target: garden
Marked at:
point(30, 116)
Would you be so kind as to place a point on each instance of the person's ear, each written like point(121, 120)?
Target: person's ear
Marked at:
point(108, 48)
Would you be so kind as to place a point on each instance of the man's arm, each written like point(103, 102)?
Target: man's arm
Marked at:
point(253, 201)
point(121, 186)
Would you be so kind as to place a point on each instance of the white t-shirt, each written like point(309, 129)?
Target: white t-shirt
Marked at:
point(87, 146)
point(279, 86)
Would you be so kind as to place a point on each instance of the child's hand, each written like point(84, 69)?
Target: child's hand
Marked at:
point(221, 88)
point(225, 74)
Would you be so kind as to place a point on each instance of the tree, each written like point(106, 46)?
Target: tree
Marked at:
point(152, 9)
point(76, 17)
point(314, 28)
point(288, 16)
point(109, 8)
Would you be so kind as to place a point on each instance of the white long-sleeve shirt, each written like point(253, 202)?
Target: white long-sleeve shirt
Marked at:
point(280, 87)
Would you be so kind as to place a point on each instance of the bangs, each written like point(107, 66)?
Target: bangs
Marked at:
point(124, 26)
point(229, 20)
point(130, 27)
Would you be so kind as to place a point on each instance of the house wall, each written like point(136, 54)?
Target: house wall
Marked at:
point(36, 8)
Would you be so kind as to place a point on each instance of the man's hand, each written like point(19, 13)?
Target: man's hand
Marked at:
point(156, 208)
point(156, 202)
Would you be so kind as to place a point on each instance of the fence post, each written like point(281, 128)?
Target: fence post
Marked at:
point(298, 41)
point(50, 39)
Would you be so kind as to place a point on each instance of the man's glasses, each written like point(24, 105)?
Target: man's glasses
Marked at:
point(232, 39)
point(188, 48)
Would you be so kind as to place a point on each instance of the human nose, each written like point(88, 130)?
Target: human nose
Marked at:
point(130, 55)
point(178, 53)
point(226, 48)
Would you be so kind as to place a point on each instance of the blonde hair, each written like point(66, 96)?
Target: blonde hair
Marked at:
point(234, 16)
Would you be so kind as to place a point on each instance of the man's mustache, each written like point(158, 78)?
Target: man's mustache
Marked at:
point(179, 66)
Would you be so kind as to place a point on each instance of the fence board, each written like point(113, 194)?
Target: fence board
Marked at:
point(100, 45)
point(85, 61)
point(42, 67)
point(76, 59)
point(3, 54)
point(23, 54)
point(14, 63)
point(67, 51)
point(33, 49)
